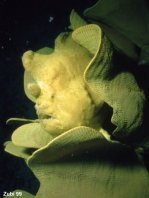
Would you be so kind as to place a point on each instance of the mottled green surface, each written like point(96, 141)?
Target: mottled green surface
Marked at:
point(125, 23)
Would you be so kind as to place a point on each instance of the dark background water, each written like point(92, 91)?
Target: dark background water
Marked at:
point(24, 25)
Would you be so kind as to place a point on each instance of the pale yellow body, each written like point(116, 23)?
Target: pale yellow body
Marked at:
point(61, 97)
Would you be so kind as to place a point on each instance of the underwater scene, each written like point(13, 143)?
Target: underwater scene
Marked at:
point(74, 102)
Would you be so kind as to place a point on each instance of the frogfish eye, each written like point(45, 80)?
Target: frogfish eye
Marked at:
point(34, 89)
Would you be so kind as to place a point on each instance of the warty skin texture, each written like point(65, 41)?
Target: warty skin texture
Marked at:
point(62, 101)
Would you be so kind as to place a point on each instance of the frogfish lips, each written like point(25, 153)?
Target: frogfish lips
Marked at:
point(51, 124)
